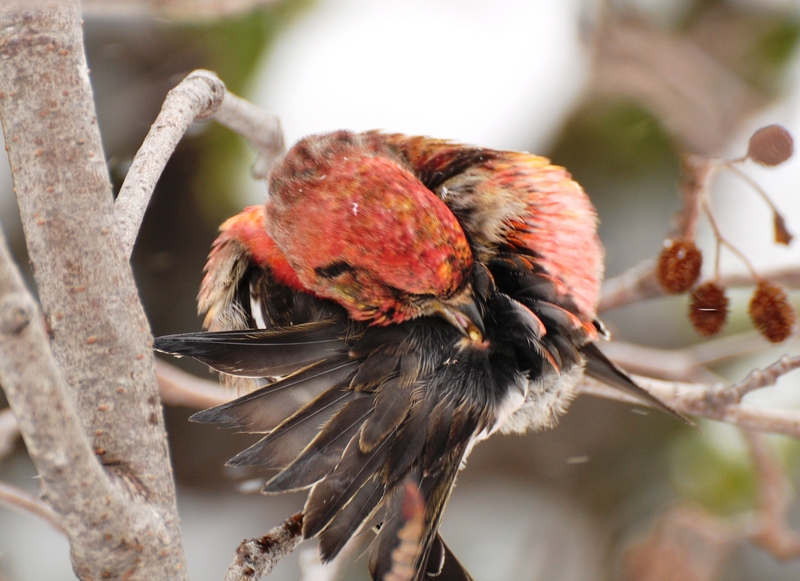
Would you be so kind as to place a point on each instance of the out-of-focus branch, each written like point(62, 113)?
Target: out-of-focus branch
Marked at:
point(177, 387)
point(714, 401)
point(772, 531)
point(9, 432)
point(197, 96)
point(687, 363)
point(187, 10)
point(639, 284)
point(261, 129)
point(701, 102)
point(255, 558)
point(15, 498)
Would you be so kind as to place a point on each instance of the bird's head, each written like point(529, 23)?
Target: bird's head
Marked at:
point(359, 228)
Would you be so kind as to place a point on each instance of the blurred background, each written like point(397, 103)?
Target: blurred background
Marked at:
point(616, 92)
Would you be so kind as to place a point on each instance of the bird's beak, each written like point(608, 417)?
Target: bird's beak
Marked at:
point(462, 312)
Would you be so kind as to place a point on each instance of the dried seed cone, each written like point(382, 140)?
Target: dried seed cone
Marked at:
point(771, 312)
point(770, 145)
point(679, 265)
point(708, 309)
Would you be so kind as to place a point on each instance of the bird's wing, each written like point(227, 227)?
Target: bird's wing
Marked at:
point(535, 229)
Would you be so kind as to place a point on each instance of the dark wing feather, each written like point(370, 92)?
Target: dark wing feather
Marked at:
point(325, 450)
point(263, 410)
point(600, 367)
point(348, 520)
point(443, 565)
point(254, 353)
point(336, 490)
point(290, 437)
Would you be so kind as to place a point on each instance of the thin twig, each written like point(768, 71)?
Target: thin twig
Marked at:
point(757, 379)
point(711, 401)
point(18, 499)
point(197, 96)
point(639, 283)
point(729, 166)
point(256, 557)
point(261, 129)
point(687, 363)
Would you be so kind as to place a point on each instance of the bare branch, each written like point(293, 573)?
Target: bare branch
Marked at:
point(711, 401)
point(197, 96)
point(773, 532)
point(639, 283)
point(102, 396)
point(15, 498)
point(261, 129)
point(686, 363)
point(757, 379)
point(49, 423)
point(256, 558)
point(177, 387)
point(636, 284)
point(9, 432)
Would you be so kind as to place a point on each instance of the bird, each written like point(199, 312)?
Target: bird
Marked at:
point(396, 300)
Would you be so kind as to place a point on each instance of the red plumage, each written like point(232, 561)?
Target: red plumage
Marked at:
point(395, 301)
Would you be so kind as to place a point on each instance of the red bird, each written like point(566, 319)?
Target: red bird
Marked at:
point(396, 300)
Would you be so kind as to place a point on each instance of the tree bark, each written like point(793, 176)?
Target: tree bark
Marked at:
point(99, 336)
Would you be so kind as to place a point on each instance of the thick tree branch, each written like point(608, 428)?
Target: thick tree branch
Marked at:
point(76, 484)
point(123, 522)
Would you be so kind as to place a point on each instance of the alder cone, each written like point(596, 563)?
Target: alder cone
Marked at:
point(770, 145)
point(708, 309)
point(679, 265)
point(771, 312)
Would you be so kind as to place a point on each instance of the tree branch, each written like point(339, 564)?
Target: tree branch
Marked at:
point(772, 532)
point(256, 558)
point(75, 483)
point(121, 522)
point(196, 97)
point(9, 432)
point(200, 95)
point(177, 387)
point(18, 499)
point(714, 401)
point(261, 129)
